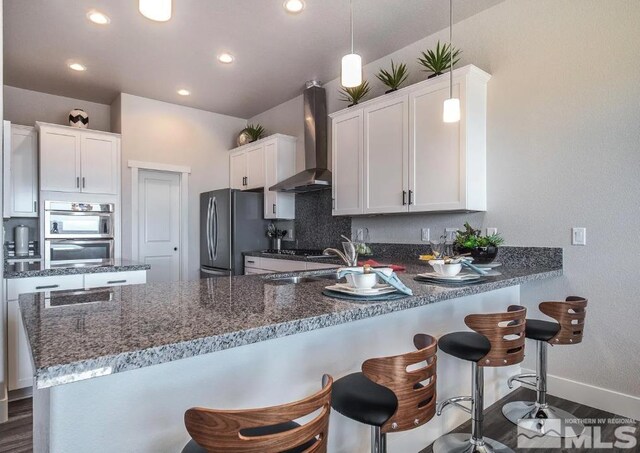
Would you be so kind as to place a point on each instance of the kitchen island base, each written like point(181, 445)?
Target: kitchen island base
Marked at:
point(142, 410)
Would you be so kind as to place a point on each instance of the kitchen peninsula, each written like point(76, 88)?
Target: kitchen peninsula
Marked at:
point(138, 360)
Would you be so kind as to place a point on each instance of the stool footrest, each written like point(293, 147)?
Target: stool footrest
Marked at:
point(455, 401)
point(523, 379)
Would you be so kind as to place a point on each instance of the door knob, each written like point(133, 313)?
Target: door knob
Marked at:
point(175, 249)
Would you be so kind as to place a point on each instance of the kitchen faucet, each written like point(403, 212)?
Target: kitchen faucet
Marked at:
point(350, 255)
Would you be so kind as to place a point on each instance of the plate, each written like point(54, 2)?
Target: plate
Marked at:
point(462, 277)
point(347, 289)
point(487, 265)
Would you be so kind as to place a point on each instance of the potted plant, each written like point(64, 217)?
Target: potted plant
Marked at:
point(355, 94)
point(395, 78)
point(483, 249)
point(254, 132)
point(438, 61)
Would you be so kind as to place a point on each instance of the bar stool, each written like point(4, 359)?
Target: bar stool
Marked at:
point(265, 430)
point(537, 416)
point(388, 397)
point(498, 340)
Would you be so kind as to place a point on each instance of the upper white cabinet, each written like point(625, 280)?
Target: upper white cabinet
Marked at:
point(262, 164)
point(412, 161)
point(78, 160)
point(20, 171)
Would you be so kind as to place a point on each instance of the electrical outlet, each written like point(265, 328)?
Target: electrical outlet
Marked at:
point(578, 236)
point(425, 235)
point(360, 235)
point(492, 231)
point(451, 233)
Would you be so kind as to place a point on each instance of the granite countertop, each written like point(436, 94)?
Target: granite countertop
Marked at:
point(143, 325)
point(38, 269)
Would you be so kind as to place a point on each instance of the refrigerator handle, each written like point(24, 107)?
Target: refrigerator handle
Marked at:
point(209, 230)
point(215, 229)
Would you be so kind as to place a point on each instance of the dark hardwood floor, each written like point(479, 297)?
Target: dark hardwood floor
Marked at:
point(15, 435)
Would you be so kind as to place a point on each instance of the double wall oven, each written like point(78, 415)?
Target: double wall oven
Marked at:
point(78, 234)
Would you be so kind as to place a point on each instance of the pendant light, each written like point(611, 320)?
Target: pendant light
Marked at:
point(351, 63)
point(158, 10)
point(451, 110)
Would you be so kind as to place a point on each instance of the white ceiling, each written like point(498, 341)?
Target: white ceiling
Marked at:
point(275, 52)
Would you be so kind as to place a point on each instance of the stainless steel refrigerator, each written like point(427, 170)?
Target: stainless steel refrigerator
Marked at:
point(231, 222)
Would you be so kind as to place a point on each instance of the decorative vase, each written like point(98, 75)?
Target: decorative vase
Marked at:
point(391, 90)
point(243, 138)
point(435, 74)
point(276, 243)
point(78, 118)
point(480, 255)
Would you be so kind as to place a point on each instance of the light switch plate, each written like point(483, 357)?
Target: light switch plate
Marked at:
point(492, 231)
point(360, 235)
point(425, 234)
point(451, 233)
point(578, 236)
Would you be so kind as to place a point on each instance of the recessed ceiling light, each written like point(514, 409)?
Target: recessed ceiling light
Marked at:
point(225, 58)
point(77, 67)
point(98, 18)
point(183, 92)
point(294, 6)
point(158, 10)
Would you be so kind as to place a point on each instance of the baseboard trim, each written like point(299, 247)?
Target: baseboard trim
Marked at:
point(590, 395)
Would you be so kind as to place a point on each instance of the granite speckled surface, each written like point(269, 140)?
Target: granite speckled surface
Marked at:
point(38, 269)
point(144, 325)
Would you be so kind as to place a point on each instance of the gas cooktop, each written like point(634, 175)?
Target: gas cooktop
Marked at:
point(308, 253)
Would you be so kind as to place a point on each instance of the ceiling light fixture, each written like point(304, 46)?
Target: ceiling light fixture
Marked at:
point(225, 58)
point(351, 63)
point(294, 6)
point(77, 67)
point(451, 108)
point(158, 10)
point(98, 18)
point(183, 92)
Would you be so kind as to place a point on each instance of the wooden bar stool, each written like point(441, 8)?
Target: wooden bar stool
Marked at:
point(498, 340)
point(537, 416)
point(388, 397)
point(266, 430)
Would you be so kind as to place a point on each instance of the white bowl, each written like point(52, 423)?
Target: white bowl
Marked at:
point(446, 270)
point(362, 281)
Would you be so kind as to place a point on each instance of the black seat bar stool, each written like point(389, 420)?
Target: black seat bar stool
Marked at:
point(497, 340)
point(388, 397)
point(536, 415)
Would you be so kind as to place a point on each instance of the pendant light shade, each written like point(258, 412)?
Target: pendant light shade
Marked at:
point(351, 70)
point(158, 10)
point(351, 63)
point(451, 107)
point(451, 112)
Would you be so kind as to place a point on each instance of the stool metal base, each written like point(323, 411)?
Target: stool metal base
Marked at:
point(462, 443)
point(535, 417)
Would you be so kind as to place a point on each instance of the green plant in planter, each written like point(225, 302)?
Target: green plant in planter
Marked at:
point(355, 94)
point(395, 78)
point(255, 132)
point(471, 238)
point(438, 61)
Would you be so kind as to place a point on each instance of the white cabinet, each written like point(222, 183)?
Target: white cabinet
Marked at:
point(279, 164)
point(20, 171)
point(386, 156)
point(20, 368)
point(412, 160)
point(73, 160)
point(262, 164)
point(347, 162)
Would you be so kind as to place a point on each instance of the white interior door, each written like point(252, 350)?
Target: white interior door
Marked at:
point(159, 213)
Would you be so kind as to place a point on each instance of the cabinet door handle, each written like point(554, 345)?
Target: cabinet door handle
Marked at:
point(113, 282)
point(404, 197)
point(35, 206)
point(78, 182)
point(47, 286)
point(411, 197)
point(251, 262)
point(274, 208)
point(83, 182)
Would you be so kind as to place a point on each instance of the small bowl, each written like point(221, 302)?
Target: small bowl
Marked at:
point(446, 270)
point(362, 281)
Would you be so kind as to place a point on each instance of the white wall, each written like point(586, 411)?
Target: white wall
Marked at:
point(154, 131)
point(563, 144)
point(26, 107)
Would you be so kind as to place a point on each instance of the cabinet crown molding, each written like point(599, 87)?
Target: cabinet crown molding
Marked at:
point(41, 124)
point(264, 140)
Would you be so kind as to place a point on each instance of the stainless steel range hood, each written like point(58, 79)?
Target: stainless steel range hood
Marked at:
point(316, 176)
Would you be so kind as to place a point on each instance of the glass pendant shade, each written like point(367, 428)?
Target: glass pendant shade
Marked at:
point(158, 10)
point(351, 70)
point(451, 112)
